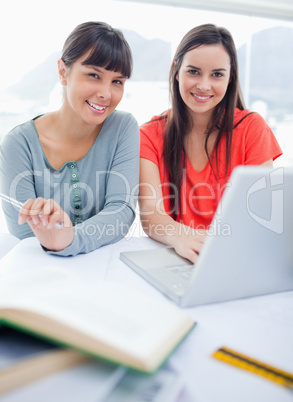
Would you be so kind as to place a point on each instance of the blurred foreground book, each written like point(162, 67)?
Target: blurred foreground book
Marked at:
point(24, 358)
point(106, 320)
point(32, 370)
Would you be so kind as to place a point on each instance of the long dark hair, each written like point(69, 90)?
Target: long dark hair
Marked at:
point(179, 121)
point(107, 46)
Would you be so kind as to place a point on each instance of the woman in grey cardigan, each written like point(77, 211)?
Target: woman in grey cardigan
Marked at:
point(76, 169)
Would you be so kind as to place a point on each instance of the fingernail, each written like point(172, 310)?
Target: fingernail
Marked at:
point(59, 225)
point(42, 219)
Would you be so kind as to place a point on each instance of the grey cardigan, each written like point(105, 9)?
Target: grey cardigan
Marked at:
point(99, 192)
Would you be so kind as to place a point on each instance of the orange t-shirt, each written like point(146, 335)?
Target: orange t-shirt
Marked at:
point(253, 143)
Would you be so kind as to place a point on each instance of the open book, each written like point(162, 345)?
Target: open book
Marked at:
point(90, 380)
point(103, 319)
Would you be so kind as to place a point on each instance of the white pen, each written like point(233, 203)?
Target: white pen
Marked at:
point(11, 201)
point(19, 205)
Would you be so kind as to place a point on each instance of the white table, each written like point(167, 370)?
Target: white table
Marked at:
point(260, 327)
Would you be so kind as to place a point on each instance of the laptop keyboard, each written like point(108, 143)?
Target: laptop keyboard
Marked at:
point(181, 271)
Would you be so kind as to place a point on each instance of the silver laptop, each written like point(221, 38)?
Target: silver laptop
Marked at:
point(248, 252)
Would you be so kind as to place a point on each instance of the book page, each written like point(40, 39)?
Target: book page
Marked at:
point(164, 385)
point(106, 311)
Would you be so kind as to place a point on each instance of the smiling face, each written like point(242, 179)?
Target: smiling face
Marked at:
point(92, 93)
point(203, 78)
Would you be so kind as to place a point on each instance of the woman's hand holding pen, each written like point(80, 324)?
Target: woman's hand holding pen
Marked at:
point(49, 223)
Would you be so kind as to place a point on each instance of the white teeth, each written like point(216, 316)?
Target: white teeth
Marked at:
point(96, 106)
point(201, 97)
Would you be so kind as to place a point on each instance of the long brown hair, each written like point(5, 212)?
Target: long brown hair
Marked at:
point(179, 121)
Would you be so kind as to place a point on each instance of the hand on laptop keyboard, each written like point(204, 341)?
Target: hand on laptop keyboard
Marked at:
point(189, 244)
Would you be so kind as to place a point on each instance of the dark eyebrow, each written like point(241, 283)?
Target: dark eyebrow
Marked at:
point(198, 68)
point(96, 68)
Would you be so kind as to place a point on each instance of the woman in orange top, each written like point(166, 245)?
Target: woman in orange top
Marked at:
point(188, 153)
